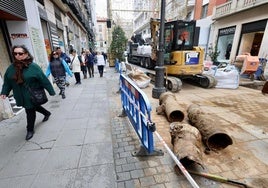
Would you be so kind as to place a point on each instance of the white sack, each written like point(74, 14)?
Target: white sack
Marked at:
point(227, 77)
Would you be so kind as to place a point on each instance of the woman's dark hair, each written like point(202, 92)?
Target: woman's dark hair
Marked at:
point(21, 64)
point(72, 51)
point(51, 57)
point(25, 50)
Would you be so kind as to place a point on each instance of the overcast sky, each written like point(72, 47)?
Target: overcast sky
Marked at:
point(101, 8)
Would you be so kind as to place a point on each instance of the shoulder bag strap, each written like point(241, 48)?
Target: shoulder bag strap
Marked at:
point(72, 60)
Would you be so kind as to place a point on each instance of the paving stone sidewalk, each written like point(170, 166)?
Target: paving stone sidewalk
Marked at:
point(86, 144)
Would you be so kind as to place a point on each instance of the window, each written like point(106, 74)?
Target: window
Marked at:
point(100, 37)
point(100, 28)
point(204, 11)
point(57, 13)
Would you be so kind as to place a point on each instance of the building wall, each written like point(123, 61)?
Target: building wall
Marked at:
point(211, 6)
point(102, 36)
point(5, 58)
point(198, 9)
point(238, 20)
point(142, 19)
point(35, 32)
point(31, 28)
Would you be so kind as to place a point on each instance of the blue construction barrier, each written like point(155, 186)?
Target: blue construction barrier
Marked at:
point(137, 107)
point(117, 65)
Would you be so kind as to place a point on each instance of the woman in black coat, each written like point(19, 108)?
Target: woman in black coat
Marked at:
point(23, 71)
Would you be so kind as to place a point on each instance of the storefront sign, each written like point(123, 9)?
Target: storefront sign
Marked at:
point(18, 35)
point(227, 31)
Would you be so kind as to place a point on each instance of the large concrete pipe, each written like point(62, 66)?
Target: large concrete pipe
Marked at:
point(187, 143)
point(210, 127)
point(170, 106)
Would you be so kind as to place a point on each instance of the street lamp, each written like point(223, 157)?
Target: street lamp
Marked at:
point(159, 69)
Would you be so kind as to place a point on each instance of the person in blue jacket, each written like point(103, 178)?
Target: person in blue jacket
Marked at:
point(23, 71)
point(67, 59)
point(58, 68)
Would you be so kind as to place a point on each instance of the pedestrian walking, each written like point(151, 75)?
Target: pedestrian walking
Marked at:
point(76, 66)
point(100, 63)
point(23, 71)
point(58, 68)
point(83, 64)
point(90, 63)
point(67, 59)
point(105, 59)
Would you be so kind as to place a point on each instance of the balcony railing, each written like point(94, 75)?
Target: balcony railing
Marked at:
point(236, 6)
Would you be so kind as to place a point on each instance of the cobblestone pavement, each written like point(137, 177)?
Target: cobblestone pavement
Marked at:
point(244, 111)
point(86, 144)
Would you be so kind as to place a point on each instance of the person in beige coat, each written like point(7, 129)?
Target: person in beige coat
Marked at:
point(76, 66)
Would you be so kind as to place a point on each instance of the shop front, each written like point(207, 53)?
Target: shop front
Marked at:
point(251, 37)
point(225, 42)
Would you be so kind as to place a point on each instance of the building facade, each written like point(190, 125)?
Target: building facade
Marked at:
point(234, 27)
point(102, 35)
point(145, 11)
point(240, 27)
point(43, 25)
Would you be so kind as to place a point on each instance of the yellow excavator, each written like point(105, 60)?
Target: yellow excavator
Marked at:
point(182, 60)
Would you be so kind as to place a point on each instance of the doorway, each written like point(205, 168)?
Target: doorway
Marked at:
point(251, 37)
point(255, 48)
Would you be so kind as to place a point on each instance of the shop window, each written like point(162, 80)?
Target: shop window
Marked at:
point(250, 43)
point(225, 42)
point(224, 46)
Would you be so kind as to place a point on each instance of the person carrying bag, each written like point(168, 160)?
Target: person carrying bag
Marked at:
point(23, 71)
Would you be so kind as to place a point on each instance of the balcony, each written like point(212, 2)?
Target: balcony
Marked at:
point(74, 6)
point(235, 6)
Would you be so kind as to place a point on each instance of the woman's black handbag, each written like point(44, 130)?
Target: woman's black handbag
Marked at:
point(38, 95)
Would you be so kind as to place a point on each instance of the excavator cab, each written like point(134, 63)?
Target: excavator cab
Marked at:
point(181, 57)
point(179, 35)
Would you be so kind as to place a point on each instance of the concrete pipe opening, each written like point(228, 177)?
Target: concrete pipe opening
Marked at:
point(175, 116)
point(219, 141)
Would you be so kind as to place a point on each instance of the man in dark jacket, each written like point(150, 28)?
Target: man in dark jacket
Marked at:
point(89, 59)
point(63, 55)
point(66, 58)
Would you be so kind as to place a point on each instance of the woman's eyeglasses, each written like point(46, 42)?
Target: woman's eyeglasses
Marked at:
point(18, 53)
point(55, 54)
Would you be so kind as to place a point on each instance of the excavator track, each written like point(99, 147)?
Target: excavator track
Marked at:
point(172, 84)
point(205, 81)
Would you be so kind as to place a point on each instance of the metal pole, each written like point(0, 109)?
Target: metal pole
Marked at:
point(159, 69)
point(110, 17)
